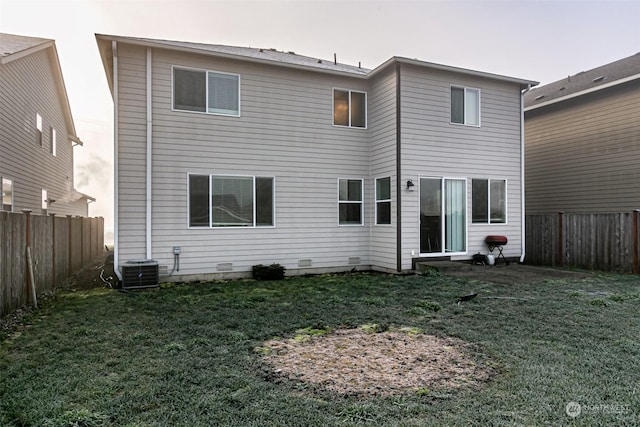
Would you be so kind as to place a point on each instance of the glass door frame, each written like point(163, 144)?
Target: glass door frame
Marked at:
point(443, 251)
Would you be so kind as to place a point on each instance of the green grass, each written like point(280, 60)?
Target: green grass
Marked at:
point(185, 355)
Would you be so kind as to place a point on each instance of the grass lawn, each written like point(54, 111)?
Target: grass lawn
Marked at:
point(185, 355)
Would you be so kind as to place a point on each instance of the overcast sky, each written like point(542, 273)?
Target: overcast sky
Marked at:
point(537, 40)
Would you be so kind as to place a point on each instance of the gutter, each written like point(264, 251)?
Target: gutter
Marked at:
point(114, 50)
point(522, 198)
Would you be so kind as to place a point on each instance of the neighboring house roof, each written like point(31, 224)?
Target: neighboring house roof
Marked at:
point(13, 47)
point(599, 78)
point(275, 57)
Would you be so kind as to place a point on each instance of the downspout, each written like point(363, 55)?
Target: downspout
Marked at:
point(522, 205)
point(114, 51)
point(148, 168)
point(398, 173)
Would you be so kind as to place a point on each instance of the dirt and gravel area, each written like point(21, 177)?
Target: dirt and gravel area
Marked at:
point(368, 362)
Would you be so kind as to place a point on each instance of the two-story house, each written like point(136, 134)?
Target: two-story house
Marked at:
point(37, 133)
point(583, 141)
point(228, 157)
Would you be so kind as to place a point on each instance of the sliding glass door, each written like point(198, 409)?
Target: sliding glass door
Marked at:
point(443, 215)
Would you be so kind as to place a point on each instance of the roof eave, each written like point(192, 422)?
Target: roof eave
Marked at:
point(152, 44)
point(583, 92)
point(26, 52)
point(398, 59)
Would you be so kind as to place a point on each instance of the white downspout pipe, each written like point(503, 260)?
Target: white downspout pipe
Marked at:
point(148, 167)
point(522, 198)
point(116, 233)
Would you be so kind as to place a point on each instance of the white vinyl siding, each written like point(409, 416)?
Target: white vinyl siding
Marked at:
point(29, 91)
point(461, 151)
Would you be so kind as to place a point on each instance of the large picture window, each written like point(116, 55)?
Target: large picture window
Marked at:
point(350, 202)
point(206, 91)
point(349, 108)
point(383, 201)
point(465, 106)
point(489, 197)
point(230, 201)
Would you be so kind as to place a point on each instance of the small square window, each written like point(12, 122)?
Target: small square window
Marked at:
point(349, 108)
point(489, 197)
point(465, 106)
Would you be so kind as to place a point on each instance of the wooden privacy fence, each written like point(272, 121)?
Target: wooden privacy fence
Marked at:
point(60, 246)
point(602, 241)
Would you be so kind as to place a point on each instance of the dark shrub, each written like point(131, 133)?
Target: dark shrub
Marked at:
point(268, 272)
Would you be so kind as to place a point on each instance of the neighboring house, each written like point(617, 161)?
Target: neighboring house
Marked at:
point(241, 156)
point(37, 133)
point(582, 138)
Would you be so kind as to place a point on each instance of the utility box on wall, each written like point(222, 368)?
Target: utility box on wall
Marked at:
point(140, 274)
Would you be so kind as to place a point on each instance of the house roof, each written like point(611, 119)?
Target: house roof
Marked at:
point(599, 78)
point(14, 47)
point(275, 57)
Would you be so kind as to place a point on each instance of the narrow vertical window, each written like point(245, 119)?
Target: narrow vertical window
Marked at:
point(383, 201)
point(54, 142)
point(199, 201)
point(350, 202)
point(7, 195)
point(38, 129)
point(45, 201)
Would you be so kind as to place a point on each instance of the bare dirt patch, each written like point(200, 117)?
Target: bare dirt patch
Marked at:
point(357, 361)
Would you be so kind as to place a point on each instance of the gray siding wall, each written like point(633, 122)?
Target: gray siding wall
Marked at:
point(285, 131)
point(433, 147)
point(382, 119)
point(584, 155)
point(27, 87)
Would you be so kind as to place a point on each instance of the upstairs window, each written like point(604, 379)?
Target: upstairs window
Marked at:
point(350, 202)
point(349, 108)
point(489, 201)
point(38, 129)
point(54, 142)
point(465, 106)
point(206, 92)
point(230, 201)
point(7, 195)
point(45, 201)
point(383, 201)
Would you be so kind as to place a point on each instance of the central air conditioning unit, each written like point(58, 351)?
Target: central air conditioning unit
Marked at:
point(140, 274)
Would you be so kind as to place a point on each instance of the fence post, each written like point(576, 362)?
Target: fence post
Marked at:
point(53, 250)
point(27, 213)
point(69, 269)
point(81, 241)
point(560, 239)
point(635, 266)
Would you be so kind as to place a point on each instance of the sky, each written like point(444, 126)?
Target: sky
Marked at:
point(536, 40)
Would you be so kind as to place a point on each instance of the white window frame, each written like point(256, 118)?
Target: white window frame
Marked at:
point(38, 129)
point(333, 106)
point(174, 67)
point(54, 142)
point(506, 204)
point(234, 227)
point(360, 202)
point(464, 113)
point(10, 183)
point(382, 200)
